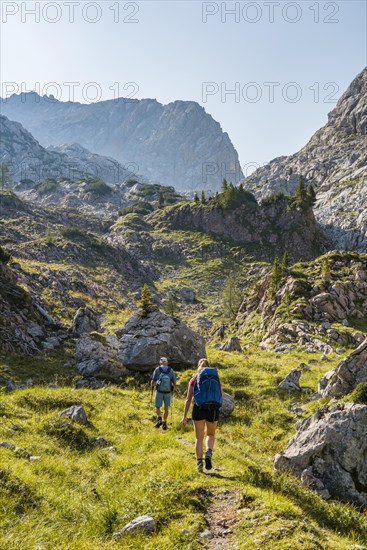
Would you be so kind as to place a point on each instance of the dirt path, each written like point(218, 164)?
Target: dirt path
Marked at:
point(221, 518)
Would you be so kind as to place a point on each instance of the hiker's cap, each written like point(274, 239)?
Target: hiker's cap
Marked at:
point(163, 360)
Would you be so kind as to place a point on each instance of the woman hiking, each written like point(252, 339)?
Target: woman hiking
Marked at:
point(205, 388)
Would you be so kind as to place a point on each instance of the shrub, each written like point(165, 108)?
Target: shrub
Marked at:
point(4, 256)
point(98, 188)
point(359, 394)
point(46, 186)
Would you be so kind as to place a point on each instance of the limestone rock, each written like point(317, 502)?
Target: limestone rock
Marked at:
point(228, 404)
point(233, 344)
point(345, 377)
point(334, 161)
point(144, 340)
point(291, 381)
point(328, 452)
point(96, 355)
point(144, 524)
point(76, 413)
point(85, 320)
point(187, 295)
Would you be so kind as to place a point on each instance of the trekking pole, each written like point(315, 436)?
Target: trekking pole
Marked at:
point(172, 409)
point(151, 398)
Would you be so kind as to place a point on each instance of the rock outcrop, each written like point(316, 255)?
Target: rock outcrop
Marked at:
point(335, 162)
point(143, 340)
point(178, 143)
point(96, 355)
point(328, 453)
point(85, 320)
point(274, 226)
point(309, 309)
point(345, 377)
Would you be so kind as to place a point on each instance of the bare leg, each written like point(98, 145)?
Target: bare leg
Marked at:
point(199, 426)
point(210, 434)
point(166, 409)
point(158, 411)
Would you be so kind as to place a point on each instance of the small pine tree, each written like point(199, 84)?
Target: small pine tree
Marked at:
point(285, 261)
point(160, 200)
point(203, 199)
point(311, 195)
point(146, 301)
point(232, 296)
point(287, 301)
point(325, 269)
point(300, 195)
point(196, 198)
point(276, 276)
point(224, 185)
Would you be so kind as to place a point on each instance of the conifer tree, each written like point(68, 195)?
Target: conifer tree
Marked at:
point(196, 198)
point(203, 199)
point(146, 301)
point(300, 194)
point(276, 276)
point(311, 195)
point(224, 185)
point(325, 269)
point(285, 261)
point(160, 200)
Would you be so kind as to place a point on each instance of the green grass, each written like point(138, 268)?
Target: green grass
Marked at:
point(76, 496)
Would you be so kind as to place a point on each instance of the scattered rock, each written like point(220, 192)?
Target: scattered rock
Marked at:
point(145, 340)
point(145, 524)
point(233, 344)
point(86, 320)
point(291, 381)
point(51, 343)
point(345, 377)
point(328, 452)
point(90, 383)
point(22, 453)
point(187, 295)
point(228, 404)
point(11, 385)
point(97, 441)
point(206, 534)
point(7, 445)
point(76, 413)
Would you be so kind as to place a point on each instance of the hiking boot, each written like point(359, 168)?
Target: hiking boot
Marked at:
point(164, 425)
point(199, 465)
point(159, 422)
point(208, 459)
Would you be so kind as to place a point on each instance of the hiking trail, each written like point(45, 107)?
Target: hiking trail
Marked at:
point(221, 517)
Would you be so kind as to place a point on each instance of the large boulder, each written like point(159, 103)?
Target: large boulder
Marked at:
point(85, 320)
point(143, 340)
point(291, 381)
point(329, 452)
point(345, 377)
point(227, 406)
point(96, 355)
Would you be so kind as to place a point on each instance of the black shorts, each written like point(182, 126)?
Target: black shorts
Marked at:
point(203, 414)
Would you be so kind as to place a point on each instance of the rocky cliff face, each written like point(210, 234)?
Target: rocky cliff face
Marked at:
point(335, 162)
point(263, 229)
point(27, 159)
point(177, 144)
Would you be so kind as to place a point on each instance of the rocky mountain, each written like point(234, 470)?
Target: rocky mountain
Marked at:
point(27, 159)
point(177, 144)
point(335, 162)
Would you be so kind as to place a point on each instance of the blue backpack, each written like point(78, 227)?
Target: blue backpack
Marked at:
point(207, 393)
point(164, 382)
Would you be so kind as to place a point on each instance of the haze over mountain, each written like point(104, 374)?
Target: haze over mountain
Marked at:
point(335, 162)
point(27, 159)
point(177, 144)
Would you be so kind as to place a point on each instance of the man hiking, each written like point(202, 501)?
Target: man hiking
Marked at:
point(164, 381)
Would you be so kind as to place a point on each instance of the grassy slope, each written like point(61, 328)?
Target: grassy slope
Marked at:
point(76, 496)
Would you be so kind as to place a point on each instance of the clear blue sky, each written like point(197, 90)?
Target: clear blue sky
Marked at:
point(169, 52)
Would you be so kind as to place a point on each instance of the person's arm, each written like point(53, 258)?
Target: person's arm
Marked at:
point(189, 396)
point(154, 379)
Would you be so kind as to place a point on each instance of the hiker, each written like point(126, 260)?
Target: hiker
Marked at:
point(221, 331)
point(205, 388)
point(164, 381)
